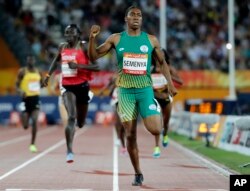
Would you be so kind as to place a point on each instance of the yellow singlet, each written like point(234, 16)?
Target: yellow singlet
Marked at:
point(30, 83)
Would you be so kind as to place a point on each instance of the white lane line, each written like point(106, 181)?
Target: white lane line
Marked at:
point(209, 164)
point(25, 137)
point(115, 163)
point(55, 146)
point(184, 189)
point(30, 189)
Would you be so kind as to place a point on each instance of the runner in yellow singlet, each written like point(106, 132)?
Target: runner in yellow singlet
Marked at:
point(28, 87)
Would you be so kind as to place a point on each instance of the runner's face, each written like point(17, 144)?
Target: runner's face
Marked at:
point(30, 61)
point(71, 34)
point(134, 18)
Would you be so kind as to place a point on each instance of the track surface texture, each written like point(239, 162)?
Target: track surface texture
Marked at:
point(98, 164)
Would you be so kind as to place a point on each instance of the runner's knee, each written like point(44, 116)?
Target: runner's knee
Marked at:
point(130, 136)
point(71, 121)
point(25, 126)
point(80, 123)
point(155, 131)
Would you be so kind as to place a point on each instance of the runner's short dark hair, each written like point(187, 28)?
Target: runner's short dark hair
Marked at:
point(134, 6)
point(76, 27)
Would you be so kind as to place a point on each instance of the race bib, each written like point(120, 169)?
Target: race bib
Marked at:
point(135, 64)
point(34, 86)
point(159, 81)
point(68, 72)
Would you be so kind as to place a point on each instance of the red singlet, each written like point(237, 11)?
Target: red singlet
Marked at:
point(74, 76)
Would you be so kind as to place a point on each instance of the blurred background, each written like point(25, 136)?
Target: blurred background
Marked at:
point(196, 39)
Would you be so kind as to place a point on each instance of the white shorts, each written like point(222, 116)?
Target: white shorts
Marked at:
point(114, 97)
point(62, 90)
point(60, 100)
point(91, 95)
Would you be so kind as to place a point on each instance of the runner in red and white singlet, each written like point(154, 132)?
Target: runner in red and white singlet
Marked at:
point(161, 93)
point(76, 72)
